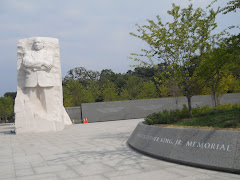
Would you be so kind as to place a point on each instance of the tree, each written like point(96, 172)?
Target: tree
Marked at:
point(110, 92)
point(132, 88)
point(107, 75)
point(179, 44)
point(148, 90)
point(6, 107)
point(146, 73)
point(232, 6)
point(219, 85)
point(231, 46)
point(10, 94)
point(166, 86)
point(82, 75)
point(74, 94)
point(94, 89)
point(224, 63)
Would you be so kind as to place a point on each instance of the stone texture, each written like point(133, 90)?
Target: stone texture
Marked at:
point(75, 113)
point(108, 111)
point(70, 154)
point(39, 101)
point(92, 169)
point(214, 149)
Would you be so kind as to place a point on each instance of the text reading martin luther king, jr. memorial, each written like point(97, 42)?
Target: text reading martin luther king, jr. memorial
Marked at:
point(209, 148)
point(39, 101)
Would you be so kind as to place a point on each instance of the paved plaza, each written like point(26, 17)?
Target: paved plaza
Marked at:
point(93, 151)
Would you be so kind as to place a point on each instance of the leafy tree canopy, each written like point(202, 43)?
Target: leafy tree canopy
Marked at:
point(232, 6)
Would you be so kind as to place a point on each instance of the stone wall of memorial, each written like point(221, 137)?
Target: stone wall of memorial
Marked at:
point(133, 109)
point(208, 148)
point(75, 113)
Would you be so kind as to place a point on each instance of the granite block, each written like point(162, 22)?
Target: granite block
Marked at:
point(215, 149)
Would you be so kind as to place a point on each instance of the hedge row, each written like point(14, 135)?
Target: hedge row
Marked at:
point(173, 116)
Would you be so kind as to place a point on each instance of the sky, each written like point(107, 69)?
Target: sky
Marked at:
point(93, 34)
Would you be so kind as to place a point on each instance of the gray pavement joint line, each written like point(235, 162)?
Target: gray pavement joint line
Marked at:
point(32, 168)
point(73, 169)
point(105, 176)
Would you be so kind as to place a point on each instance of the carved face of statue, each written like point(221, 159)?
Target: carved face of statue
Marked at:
point(38, 44)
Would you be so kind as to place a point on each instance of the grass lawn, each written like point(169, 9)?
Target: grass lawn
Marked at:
point(230, 119)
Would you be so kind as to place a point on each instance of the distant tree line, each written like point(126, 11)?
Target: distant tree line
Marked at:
point(83, 86)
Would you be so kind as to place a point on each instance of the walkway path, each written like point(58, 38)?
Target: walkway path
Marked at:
point(94, 151)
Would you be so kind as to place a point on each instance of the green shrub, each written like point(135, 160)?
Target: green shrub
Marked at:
point(151, 119)
point(236, 106)
point(164, 117)
point(172, 116)
point(224, 107)
point(202, 111)
point(184, 112)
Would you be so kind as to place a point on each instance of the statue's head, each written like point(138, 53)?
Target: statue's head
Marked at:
point(38, 44)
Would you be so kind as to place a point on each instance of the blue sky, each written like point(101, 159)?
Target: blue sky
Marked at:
point(93, 34)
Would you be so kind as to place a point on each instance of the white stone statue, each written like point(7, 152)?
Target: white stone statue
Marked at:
point(39, 101)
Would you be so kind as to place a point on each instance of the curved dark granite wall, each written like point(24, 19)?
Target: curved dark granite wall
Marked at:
point(212, 149)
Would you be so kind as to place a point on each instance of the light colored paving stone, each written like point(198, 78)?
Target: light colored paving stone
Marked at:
point(92, 169)
point(40, 177)
point(228, 175)
point(153, 175)
point(198, 177)
point(69, 174)
point(7, 176)
point(7, 171)
point(6, 160)
point(209, 177)
point(182, 172)
point(199, 170)
point(120, 162)
point(22, 166)
point(49, 169)
point(125, 167)
point(24, 172)
point(145, 167)
point(94, 151)
point(121, 173)
point(95, 177)
point(35, 159)
point(76, 163)
point(155, 163)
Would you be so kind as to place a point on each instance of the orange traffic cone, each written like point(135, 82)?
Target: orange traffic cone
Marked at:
point(86, 120)
point(73, 122)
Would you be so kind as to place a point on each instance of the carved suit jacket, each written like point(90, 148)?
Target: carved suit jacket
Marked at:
point(37, 66)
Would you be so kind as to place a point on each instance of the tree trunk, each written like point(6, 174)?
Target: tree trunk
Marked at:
point(214, 98)
point(218, 97)
point(189, 106)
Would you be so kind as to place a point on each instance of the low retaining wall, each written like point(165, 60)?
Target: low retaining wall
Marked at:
point(213, 149)
point(134, 109)
point(75, 113)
